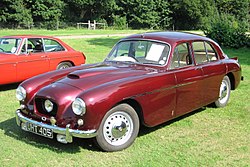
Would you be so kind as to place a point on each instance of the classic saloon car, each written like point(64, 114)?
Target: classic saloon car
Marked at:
point(24, 56)
point(146, 79)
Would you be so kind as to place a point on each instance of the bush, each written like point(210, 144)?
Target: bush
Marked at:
point(227, 31)
point(120, 22)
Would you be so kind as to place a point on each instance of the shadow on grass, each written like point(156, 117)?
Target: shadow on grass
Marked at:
point(12, 130)
point(8, 87)
point(146, 130)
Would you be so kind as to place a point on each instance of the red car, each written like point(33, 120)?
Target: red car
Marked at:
point(147, 79)
point(24, 56)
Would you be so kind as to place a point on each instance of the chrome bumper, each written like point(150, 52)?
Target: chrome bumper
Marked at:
point(69, 133)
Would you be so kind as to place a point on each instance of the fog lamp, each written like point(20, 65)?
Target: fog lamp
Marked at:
point(80, 122)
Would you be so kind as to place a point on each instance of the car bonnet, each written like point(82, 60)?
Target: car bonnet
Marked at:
point(104, 74)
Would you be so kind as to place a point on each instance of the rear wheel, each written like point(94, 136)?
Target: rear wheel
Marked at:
point(224, 93)
point(118, 129)
point(64, 65)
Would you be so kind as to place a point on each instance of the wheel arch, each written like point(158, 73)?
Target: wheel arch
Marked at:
point(232, 80)
point(136, 106)
point(69, 61)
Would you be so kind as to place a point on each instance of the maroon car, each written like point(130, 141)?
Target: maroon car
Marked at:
point(147, 79)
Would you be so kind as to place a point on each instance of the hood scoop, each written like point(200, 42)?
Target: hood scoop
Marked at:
point(73, 76)
point(84, 74)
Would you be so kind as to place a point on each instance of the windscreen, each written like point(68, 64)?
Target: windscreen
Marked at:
point(9, 45)
point(140, 51)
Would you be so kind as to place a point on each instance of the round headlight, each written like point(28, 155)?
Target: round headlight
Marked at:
point(48, 105)
point(79, 106)
point(20, 93)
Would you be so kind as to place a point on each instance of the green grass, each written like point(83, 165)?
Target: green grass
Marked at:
point(206, 137)
point(60, 32)
point(95, 49)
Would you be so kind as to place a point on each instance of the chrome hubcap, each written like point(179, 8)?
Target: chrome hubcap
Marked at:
point(118, 128)
point(64, 66)
point(223, 92)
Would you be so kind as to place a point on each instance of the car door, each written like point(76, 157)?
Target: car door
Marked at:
point(32, 60)
point(213, 70)
point(8, 68)
point(8, 59)
point(188, 80)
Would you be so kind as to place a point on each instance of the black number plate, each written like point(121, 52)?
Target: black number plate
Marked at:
point(46, 132)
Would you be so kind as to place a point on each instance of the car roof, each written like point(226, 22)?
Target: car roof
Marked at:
point(169, 36)
point(28, 36)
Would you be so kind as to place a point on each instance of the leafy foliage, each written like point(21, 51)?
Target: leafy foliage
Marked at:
point(120, 22)
point(145, 14)
point(188, 15)
point(47, 13)
point(227, 31)
point(15, 12)
point(136, 14)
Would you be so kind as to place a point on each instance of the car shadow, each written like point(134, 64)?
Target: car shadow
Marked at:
point(146, 130)
point(12, 130)
point(8, 87)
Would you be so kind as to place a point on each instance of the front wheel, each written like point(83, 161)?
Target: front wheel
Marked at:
point(118, 129)
point(63, 65)
point(224, 93)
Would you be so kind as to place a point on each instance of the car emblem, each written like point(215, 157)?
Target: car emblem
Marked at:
point(44, 119)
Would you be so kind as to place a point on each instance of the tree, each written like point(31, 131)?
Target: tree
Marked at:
point(144, 14)
point(79, 10)
point(237, 8)
point(227, 31)
point(84, 10)
point(47, 12)
point(189, 15)
point(15, 13)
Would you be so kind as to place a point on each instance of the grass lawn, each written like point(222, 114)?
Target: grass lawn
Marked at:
point(206, 137)
point(4, 32)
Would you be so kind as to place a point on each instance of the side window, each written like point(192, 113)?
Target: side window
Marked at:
point(181, 56)
point(52, 45)
point(199, 52)
point(203, 52)
point(30, 46)
point(35, 45)
point(211, 54)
